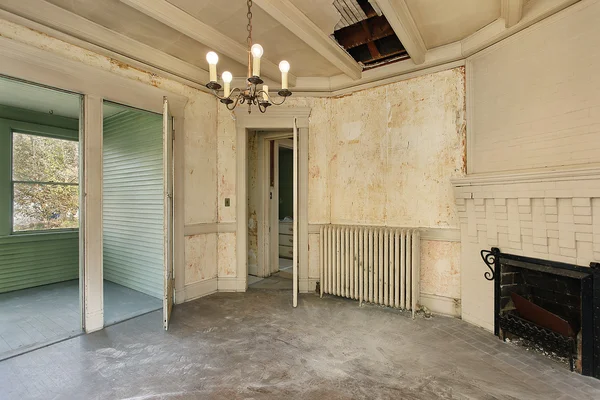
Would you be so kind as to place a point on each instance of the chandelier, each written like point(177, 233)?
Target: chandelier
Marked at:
point(251, 94)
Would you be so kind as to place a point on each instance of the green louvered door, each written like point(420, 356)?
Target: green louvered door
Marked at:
point(133, 200)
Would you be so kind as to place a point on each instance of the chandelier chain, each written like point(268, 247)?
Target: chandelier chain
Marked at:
point(249, 27)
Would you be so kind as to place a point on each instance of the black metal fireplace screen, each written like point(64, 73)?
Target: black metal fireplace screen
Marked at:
point(553, 333)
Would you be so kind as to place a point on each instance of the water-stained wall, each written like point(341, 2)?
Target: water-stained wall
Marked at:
point(382, 156)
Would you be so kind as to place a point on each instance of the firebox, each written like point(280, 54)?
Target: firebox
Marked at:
point(553, 304)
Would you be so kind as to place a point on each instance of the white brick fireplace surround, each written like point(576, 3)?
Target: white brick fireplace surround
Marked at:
point(551, 215)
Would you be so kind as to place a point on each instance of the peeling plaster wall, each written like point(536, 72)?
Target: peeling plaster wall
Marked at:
point(200, 143)
point(383, 156)
point(394, 149)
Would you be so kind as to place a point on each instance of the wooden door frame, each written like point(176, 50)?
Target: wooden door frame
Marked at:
point(274, 120)
point(35, 65)
point(287, 143)
point(267, 239)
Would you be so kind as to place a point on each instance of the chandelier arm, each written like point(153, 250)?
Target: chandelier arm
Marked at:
point(270, 98)
point(216, 93)
point(237, 99)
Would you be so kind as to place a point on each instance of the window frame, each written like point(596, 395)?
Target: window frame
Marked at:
point(46, 134)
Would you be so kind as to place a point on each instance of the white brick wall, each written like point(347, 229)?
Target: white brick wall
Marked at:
point(549, 215)
point(534, 99)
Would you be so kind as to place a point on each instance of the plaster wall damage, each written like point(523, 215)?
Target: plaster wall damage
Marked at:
point(382, 156)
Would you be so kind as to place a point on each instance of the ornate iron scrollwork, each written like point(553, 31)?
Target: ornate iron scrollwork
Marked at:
point(489, 258)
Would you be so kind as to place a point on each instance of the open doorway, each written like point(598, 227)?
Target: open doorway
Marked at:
point(271, 266)
point(133, 212)
point(40, 296)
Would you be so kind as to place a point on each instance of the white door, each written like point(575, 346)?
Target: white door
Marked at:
point(295, 223)
point(168, 211)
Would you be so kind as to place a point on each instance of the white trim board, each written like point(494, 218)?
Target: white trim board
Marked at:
point(441, 305)
point(279, 119)
point(199, 289)
point(210, 227)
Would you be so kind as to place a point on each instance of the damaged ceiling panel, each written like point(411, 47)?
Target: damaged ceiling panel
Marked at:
point(364, 32)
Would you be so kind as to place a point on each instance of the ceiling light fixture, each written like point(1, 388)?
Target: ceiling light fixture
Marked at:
point(251, 95)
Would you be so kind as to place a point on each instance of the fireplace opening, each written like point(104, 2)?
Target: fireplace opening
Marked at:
point(549, 304)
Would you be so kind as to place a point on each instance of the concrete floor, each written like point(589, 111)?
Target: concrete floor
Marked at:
point(255, 345)
point(281, 280)
point(35, 317)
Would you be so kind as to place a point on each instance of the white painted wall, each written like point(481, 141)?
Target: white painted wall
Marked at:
point(534, 99)
point(534, 135)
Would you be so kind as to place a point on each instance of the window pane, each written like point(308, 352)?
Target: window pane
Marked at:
point(43, 159)
point(42, 207)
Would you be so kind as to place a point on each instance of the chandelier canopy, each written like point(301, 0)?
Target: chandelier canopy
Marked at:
point(251, 94)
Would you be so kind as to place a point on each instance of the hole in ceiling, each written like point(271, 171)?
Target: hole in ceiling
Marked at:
point(364, 32)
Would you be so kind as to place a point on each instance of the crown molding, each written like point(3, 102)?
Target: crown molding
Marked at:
point(64, 25)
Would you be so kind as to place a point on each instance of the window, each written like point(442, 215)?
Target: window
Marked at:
point(45, 183)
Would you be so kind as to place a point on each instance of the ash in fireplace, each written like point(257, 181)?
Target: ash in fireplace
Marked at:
point(536, 348)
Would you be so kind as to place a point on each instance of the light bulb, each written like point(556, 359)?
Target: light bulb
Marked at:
point(212, 58)
point(227, 77)
point(257, 50)
point(284, 66)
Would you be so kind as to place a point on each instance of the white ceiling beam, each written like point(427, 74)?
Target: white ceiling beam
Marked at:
point(403, 24)
point(300, 25)
point(511, 11)
point(74, 29)
point(176, 18)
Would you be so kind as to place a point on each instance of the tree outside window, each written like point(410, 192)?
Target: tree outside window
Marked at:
point(45, 179)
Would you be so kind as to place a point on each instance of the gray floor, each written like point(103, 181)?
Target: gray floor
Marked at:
point(35, 317)
point(255, 345)
point(281, 280)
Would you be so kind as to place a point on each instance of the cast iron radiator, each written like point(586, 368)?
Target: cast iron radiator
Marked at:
point(371, 264)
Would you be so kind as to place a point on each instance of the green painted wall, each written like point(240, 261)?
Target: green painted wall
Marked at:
point(286, 183)
point(32, 259)
point(133, 201)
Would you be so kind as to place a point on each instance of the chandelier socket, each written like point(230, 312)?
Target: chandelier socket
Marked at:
point(213, 85)
point(255, 80)
point(226, 101)
point(284, 93)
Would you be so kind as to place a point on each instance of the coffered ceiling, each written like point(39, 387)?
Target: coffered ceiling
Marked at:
point(173, 36)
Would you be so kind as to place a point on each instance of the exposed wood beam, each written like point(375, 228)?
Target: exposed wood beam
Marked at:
point(399, 17)
point(300, 25)
point(356, 34)
point(176, 18)
point(511, 11)
point(71, 28)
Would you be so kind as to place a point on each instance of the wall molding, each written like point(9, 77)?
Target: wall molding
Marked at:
point(510, 178)
point(307, 285)
point(231, 284)
point(209, 227)
point(441, 305)
point(437, 234)
point(200, 289)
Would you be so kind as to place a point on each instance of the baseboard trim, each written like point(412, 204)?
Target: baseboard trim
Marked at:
point(94, 321)
point(307, 285)
point(200, 289)
point(441, 305)
point(231, 284)
point(211, 227)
